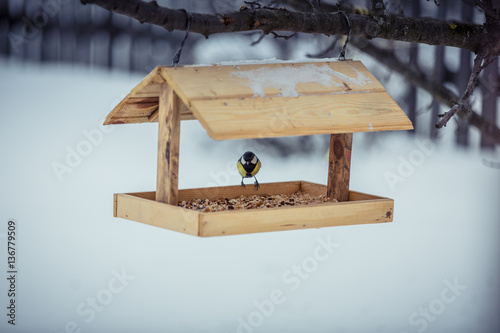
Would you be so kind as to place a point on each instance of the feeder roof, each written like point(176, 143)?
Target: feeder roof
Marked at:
point(269, 100)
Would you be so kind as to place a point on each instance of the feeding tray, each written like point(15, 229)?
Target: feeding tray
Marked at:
point(360, 208)
point(259, 101)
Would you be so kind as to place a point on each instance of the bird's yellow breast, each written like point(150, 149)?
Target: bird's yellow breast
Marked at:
point(244, 173)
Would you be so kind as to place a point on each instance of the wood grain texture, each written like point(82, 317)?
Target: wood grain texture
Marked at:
point(157, 214)
point(272, 188)
point(360, 209)
point(359, 196)
point(339, 166)
point(222, 82)
point(186, 114)
point(312, 188)
point(168, 146)
point(278, 219)
point(228, 107)
point(231, 192)
point(134, 110)
point(303, 115)
point(123, 115)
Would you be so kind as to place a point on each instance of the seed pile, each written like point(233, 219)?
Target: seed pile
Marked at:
point(255, 201)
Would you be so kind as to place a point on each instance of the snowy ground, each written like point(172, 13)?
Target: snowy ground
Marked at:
point(434, 269)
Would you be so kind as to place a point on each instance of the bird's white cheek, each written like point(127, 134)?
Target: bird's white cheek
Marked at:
point(254, 160)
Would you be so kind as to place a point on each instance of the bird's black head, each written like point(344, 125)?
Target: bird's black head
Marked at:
point(248, 156)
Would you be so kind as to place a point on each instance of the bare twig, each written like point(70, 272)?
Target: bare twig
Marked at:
point(486, 6)
point(257, 5)
point(480, 62)
point(487, 54)
point(263, 34)
point(326, 51)
point(481, 4)
point(378, 7)
point(315, 5)
point(491, 164)
point(261, 37)
point(253, 4)
point(282, 36)
point(439, 92)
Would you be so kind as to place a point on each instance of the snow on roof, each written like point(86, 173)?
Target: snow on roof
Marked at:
point(269, 99)
point(287, 78)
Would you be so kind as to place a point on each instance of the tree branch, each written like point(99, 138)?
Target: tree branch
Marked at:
point(480, 63)
point(437, 90)
point(487, 7)
point(486, 55)
point(388, 26)
point(379, 24)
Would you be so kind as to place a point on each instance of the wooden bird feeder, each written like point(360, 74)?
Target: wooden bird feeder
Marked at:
point(259, 101)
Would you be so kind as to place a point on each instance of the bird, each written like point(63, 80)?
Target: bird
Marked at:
point(248, 165)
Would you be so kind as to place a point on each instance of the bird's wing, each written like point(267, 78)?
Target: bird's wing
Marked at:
point(241, 170)
point(256, 169)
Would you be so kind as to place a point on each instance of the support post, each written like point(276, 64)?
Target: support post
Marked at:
point(339, 166)
point(168, 146)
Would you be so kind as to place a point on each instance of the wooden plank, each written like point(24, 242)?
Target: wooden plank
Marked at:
point(142, 207)
point(186, 114)
point(229, 192)
point(150, 85)
point(115, 205)
point(359, 196)
point(277, 188)
point(168, 146)
point(226, 103)
point(278, 219)
point(151, 90)
point(115, 113)
point(141, 110)
point(139, 107)
point(131, 111)
point(135, 110)
point(303, 115)
point(312, 188)
point(151, 195)
point(128, 120)
point(223, 82)
point(153, 78)
point(232, 192)
point(157, 214)
point(339, 166)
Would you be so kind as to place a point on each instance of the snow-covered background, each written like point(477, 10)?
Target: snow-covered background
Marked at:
point(434, 269)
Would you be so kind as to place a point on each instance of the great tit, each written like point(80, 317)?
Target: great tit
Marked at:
point(248, 166)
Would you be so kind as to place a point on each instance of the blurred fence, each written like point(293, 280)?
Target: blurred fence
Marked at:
point(65, 31)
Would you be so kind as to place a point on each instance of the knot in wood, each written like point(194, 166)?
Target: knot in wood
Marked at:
point(338, 149)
